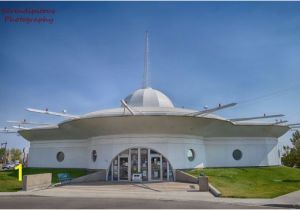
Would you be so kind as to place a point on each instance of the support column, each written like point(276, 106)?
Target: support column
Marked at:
point(161, 168)
point(149, 166)
point(129, 165)
point(168, 174)
point(118, 168)
point(139, 160)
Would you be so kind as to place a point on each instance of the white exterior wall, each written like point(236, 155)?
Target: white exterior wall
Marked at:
point(210, 152)
point(172, 148)
point(255, 152)
point(43, 154)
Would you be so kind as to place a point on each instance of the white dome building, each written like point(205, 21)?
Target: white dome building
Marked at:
point(154, 140)
point(148, 135)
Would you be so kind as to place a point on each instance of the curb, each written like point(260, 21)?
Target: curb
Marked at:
point(292, 206)
point(214, 190)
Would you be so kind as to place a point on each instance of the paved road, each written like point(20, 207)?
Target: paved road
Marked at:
point(34, 202)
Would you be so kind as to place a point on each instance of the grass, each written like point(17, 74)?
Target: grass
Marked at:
point(9, 179)
point(256, 182)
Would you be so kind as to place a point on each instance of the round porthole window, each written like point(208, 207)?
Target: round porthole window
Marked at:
point(190, 154)
point(237, 154)
point(94, 155)
point(60, 156)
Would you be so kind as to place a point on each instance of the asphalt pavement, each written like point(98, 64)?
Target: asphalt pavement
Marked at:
point(41, 202)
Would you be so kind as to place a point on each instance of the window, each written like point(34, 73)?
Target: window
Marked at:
point(60, 156)
point(94, 155)
point(237, 154)
point(153, 152)
point(134, 161)
point(190, 154)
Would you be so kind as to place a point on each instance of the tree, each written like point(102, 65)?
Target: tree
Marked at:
point(297, 152)
point(15, 154)
point(291, 156)
point(2, 153)
point(295, 137)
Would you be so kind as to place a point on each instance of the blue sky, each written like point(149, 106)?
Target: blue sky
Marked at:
point(201, 53)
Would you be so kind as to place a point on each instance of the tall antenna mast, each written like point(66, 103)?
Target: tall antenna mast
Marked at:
point(146, 80)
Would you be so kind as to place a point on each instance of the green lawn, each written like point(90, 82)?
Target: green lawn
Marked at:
point(9, 179)
point(256, 182)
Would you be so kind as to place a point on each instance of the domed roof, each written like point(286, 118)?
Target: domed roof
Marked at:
point(148, 97)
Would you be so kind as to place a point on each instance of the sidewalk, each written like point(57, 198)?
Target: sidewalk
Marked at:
point(155, 191)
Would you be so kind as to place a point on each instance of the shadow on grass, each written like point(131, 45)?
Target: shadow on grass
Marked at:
point(10, 173)
point(291, 180)
point(16, 188)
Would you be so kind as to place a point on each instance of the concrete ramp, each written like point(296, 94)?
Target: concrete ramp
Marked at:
point(97, 176)
point(182, 176)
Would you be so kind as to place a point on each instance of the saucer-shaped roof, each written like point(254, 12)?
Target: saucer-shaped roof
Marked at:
point(148, 97)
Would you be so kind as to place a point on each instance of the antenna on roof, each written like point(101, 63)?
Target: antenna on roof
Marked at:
point(207, 111)
point(146, 80)
point(258, 117)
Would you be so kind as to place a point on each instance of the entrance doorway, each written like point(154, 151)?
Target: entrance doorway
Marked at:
point(145, 163)
point(123, 169)
point(156, 168)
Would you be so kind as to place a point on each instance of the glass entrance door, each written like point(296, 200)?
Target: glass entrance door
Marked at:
point(156, 168)
point(144, 164)
point(150, 164)
point(123, 173)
